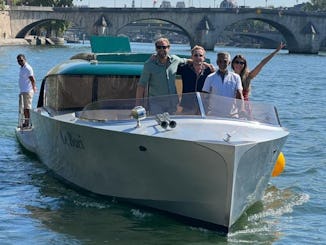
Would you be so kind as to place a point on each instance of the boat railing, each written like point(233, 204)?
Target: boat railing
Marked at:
point(200, 105)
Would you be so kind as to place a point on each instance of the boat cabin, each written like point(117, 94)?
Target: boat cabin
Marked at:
point(109, 72)
point(76, 83)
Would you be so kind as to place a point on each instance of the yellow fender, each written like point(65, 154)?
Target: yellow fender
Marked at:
point(279, 165)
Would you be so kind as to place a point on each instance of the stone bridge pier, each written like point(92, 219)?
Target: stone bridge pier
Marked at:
point(207, 39)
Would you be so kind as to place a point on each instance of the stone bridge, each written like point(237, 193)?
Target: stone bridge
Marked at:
point(304, 32)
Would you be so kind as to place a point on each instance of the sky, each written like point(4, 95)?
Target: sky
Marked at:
point(192, 3)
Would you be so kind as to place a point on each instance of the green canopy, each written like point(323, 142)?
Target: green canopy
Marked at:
point(110, 44)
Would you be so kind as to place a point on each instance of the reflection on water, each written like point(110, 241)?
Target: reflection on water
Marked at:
point(73, 215)
point(85, 217)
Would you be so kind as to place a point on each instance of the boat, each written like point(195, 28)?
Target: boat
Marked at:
point(202, 161)
point(72, 40)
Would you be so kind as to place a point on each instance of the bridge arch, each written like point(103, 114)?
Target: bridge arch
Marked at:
point(288, 35)
point(285, 31)
point(181, 29)
point(24, 32)
point(28, 28)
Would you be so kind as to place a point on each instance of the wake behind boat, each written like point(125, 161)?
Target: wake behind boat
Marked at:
point(202, 160)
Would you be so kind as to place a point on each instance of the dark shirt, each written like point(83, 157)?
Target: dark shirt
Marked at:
point(190, 81)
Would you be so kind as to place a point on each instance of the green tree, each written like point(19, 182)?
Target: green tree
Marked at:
point(2, 4)
point(315, 5)
point(55, 3)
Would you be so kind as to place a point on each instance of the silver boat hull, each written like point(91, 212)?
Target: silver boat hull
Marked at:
point(210, 179)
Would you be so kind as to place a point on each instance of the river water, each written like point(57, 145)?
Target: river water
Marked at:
point(36, 208)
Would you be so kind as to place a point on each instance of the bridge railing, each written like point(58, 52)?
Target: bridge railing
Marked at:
point(31, 8)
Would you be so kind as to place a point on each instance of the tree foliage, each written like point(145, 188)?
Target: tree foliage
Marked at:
point(47, 3)
point(2, 4)
point(315, 5)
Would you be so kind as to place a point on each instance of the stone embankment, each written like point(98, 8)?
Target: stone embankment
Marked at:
point(13, 41)
point(5, 31)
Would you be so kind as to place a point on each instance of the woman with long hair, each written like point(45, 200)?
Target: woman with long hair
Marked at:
point(239, 66)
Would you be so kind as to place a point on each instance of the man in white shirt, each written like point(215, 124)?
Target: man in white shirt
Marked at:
point(223, 83)
point(27, 86)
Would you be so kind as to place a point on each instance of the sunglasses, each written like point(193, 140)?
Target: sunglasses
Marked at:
point(239, 62)
point(223, 61)
point(19, 60)
point(198, 55)
point(162, 47)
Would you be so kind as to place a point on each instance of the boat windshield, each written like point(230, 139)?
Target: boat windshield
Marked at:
point(201, 105)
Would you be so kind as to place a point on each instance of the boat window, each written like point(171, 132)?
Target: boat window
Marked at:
point(219, 106)
point(71, 92)
point(116, 87)
point(68, 92)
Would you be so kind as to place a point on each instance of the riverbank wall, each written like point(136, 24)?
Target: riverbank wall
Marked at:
point(5, 31)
